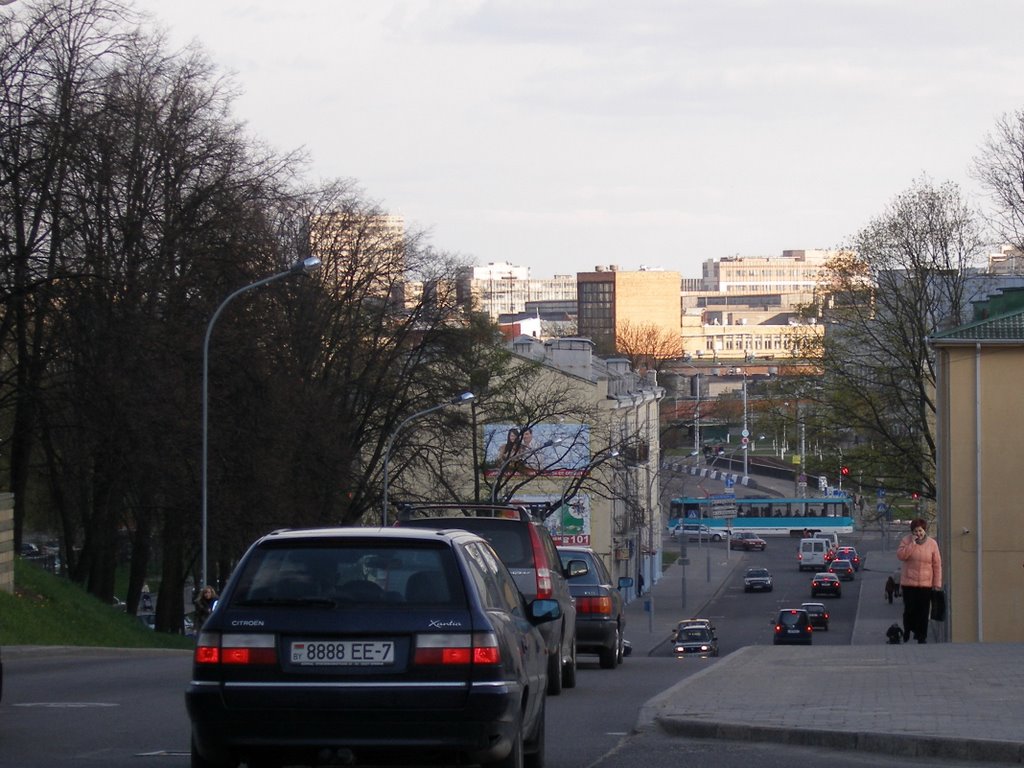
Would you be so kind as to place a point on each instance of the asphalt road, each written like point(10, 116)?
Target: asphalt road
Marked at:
point(121, 709)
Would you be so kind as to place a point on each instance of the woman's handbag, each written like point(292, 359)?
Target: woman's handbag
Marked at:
point(938, 605)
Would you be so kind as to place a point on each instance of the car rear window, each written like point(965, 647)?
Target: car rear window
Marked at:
point(593, 577)
point(345, 574)
point(510, 538)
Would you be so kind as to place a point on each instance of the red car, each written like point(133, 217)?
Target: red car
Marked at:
point(747, 541)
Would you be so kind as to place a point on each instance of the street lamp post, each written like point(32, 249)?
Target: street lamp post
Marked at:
point(465, 397)
point(305, 266)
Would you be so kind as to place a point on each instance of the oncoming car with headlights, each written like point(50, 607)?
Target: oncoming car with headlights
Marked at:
point(369, 645)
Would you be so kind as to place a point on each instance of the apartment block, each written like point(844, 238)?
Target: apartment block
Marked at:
point(609, 299)
point(504, 289)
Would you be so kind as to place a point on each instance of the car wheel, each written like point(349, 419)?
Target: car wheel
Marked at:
point(622, 645)
point(534, 748)
point(555, 672)
point(514, 759)
point(716, 537)
point(569, 670)
point(609, 656)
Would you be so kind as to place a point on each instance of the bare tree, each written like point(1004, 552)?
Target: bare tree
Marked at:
point(1000, 168)
point(904, 277)
point(647, 346)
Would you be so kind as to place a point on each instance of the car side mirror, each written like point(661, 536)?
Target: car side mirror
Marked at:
point(576, 568)
point(544, 610)
point(625, 582)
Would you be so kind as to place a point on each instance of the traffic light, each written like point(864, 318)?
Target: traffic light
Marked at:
point(844, 471)
point(915, 495)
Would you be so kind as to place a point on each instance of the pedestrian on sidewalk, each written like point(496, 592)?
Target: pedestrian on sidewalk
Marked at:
point(920, 576)
point(890, 589)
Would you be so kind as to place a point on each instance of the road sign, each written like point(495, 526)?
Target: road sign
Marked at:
point(744, 441)
point(745, 433)
point(723, 505)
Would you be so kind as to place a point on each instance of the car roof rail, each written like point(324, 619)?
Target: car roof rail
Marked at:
point(410, 511)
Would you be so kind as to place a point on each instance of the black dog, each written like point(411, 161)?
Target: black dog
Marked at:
point(895, 634)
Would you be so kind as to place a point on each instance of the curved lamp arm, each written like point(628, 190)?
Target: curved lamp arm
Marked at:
point(465, 397)
point(303, 267)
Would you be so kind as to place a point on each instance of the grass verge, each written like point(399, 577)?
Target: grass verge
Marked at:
point(49, 610)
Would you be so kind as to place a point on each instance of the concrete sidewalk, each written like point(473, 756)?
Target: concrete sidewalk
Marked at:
point(940, 700)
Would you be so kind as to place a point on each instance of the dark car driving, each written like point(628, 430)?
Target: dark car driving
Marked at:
point(366, 646)
point(757, 580)
point(793, 626)
point(528, 550)
point(695, 639)
point(600, 620)
point(818, 614)
point(826, 584)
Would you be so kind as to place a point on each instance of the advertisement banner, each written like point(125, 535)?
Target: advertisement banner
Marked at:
point(569, 524)
point(516, 450)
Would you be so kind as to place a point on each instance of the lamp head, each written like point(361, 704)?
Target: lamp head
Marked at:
point(465, 397)
point(307, 265)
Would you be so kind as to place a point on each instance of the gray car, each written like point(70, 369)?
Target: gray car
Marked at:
point(526, 547)
point(757, 580)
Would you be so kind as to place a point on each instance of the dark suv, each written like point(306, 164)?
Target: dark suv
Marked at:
point(600, 619)
point(370, 646)
point(528, 550)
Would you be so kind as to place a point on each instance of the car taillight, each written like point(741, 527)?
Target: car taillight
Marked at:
point(544, 583)
point(235, 649)
point(457, 649)
point(594, 605)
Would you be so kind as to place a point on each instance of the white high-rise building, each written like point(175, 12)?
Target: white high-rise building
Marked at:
point(504, 289)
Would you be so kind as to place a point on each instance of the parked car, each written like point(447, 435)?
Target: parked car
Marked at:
point(826, 584)
point(818, 614)
point(370, 646)
point(793, 626)
point(695, 639)
point(841, 568)
point(526, 547)
point(747, 540)
point(696, 531)
point(757, 580)
point(849, 553)
point(600, 618)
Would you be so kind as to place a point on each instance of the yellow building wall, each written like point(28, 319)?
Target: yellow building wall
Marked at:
point(980, 496)
point(643, 298)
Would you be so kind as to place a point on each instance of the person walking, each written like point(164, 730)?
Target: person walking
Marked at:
point(890, 589)
point(204, 605)
point(920, 575)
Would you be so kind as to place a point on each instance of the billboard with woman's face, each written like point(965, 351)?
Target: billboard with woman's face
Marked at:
point(538, 449)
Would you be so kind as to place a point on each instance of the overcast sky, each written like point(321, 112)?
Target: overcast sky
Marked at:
point(563, 134)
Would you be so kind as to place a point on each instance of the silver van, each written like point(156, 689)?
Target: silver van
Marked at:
point(811, 554)
point(830, 536)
